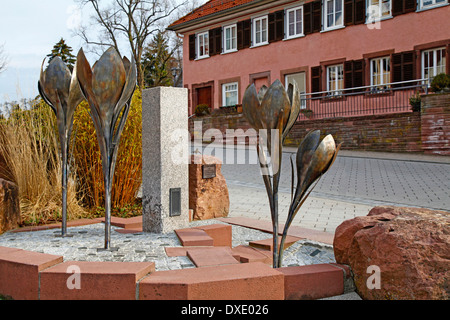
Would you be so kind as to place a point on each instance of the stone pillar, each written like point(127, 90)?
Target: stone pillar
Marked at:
point(165, 174)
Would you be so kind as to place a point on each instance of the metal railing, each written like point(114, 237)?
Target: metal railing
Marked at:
point(362, 101)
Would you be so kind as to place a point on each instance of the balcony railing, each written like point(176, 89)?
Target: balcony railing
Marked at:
point(362, 101)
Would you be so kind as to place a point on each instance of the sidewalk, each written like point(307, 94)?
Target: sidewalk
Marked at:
point(357, 182)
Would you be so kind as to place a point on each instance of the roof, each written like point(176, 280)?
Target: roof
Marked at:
point(209, 8)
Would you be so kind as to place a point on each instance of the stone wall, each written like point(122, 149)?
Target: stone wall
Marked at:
point(436, 124)
point(420, 132)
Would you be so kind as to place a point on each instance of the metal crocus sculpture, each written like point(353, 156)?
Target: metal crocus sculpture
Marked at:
point(60, 90)
point(108, 88)
point(272, 112)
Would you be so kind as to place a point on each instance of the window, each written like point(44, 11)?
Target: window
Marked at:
point(433, 63)
point(202, 45)
point(424, 4)
point(378, 9)
point(230, 94)
point(230, 38)
point(333, 14)
point(301, 84)
point(335, 79)
point(294, 22)
point(380, 72)
point(260, 31)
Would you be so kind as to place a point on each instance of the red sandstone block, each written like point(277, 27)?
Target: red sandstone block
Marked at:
point(19, 272)
point(267, 244)
point(312, 282)
point(249, 281)
point(246, 254)
point(194, 237)
point(221, 233)
point(97, 280)
point(215, 256)
point(126, 223)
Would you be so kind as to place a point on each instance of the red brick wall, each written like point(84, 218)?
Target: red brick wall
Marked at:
point(436, 124)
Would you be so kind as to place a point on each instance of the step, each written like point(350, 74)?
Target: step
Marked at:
point(19, 272)
point(248, 281)
point(215, 256)
point(97, 280)
point(191, 237)
point(247, 254)
point(221, 233)
point(267, 244)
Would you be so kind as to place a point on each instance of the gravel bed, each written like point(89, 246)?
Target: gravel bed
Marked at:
point(86, 243)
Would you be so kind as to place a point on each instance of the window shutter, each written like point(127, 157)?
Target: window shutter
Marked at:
point(247, 32)
point(403, 6)
point(316, 82)
point(358, 73)
point(317, 16)
point(215, 41)
point(409, 6)
point(192, 54)
point(276, 26)
point(360, 11)
point(307, 18)
point(403, 67)
point(354, 74)
point(349, 12)
point(447, 58)
point(244, 34)
point(348, 74)
point(272, 26)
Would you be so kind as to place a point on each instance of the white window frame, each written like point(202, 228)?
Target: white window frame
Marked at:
point(336, 90)
point(382, 72)
point(326, 13)
point(288, 22)
point(434, 4)
point(225, 91)
point(302, 92)
point(378, 11)
point(200, 38)
point(434, 68)
point(231, 28)
point(260, 20)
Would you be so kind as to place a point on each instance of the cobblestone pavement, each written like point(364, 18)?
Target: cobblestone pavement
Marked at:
point(356, 183)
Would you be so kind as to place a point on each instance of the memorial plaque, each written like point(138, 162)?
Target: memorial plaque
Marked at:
point(209, 171)
point(175, 202)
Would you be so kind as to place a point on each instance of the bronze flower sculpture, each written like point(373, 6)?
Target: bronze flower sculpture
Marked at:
point(60, 90)
point(108, 88)
point(314, 158)
point(273, 111)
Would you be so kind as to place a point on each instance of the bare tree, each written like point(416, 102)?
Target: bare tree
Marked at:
point(131, 20)
point(3, 59)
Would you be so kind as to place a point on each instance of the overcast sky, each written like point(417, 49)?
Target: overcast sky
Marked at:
point(28, 30)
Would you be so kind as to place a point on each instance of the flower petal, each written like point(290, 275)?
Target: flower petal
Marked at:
point(251, 107)
point(275, 103)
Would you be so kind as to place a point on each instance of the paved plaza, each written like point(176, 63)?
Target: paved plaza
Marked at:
point(356, 183)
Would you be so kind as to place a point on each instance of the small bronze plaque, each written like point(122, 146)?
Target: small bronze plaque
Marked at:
point(209, 171)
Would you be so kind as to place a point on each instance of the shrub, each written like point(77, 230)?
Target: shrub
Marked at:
point(88, 164)
point(440, 82)
point(201, 110)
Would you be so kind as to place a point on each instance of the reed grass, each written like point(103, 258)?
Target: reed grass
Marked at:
point(29, 148)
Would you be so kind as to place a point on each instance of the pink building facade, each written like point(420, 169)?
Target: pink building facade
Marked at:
point(327, 46)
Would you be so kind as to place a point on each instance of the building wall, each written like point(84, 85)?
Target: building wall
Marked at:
point(416, 30)
point(426, 132)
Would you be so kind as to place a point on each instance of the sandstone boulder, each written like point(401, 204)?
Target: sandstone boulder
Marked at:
point(410, 246)
point(9, 206)
point(208, 198)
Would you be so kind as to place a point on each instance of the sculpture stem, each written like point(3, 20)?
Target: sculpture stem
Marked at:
point(64, 197)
